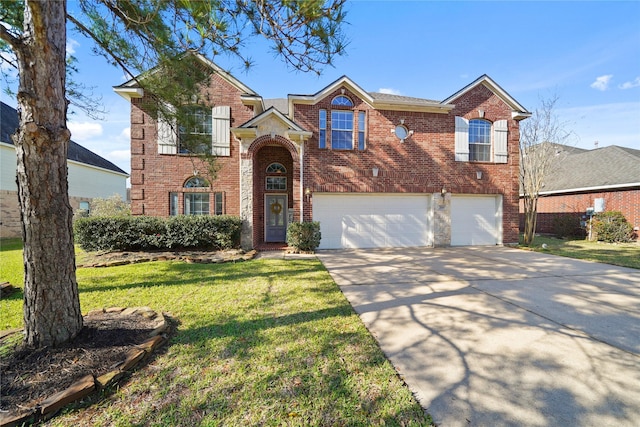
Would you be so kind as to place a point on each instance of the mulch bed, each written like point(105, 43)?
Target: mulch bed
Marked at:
point(30, 376)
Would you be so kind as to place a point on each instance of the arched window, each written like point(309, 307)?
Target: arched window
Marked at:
point(479, 140)
point(196, 182)
point(341, 101)
point(196, 203)
point(276, 168)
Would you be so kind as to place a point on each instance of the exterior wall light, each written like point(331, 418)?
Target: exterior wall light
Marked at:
point(443, 192)
point(307, 192)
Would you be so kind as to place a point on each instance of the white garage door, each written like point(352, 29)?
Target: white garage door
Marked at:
point(476, 220)
point(372, 220)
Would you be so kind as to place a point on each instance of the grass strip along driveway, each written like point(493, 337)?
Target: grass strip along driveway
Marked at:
point(263, 342)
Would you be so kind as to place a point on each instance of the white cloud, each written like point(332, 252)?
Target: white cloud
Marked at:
point(389, 91)
point(83, 131)
point(126, 133)
point(602, 82)
point(71, 46)
point(632, 84)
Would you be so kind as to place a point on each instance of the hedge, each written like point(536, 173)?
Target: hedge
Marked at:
point(304, 236)
point(130, 233)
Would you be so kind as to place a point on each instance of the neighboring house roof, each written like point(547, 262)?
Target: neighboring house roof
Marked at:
point(603, 168)
point(9, 123)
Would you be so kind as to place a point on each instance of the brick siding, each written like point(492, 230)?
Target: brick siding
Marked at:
point(576, 204)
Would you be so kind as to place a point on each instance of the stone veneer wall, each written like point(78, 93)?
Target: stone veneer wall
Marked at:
point(441, 219)
point(10, 226)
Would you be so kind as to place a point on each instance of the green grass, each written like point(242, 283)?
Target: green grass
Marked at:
point(262, 342)
point(622, 254)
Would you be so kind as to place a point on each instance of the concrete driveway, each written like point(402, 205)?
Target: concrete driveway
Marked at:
point(495, 336)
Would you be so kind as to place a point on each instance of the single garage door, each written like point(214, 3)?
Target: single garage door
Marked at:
point(476, 220)
point(372, 220)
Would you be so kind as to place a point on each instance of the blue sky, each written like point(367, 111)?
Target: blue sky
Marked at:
point(585, 52)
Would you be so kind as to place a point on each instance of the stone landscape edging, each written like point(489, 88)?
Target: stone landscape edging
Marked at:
point(88, 384)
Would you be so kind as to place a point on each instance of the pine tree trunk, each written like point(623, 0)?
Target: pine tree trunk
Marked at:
point(51, 304)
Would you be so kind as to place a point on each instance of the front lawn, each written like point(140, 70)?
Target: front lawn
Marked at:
point(622, 254)
point(262, 342)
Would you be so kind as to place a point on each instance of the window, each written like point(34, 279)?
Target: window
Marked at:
point(479, 141)
point(195, 129)
point(196, 203)
point(218, 207)
point(361, 129)
point(343, 133)
point(341, 101)
point(199, 130)
point(278, 182)
point(276, 168)
point(342, 130)
point(173, 204)
point(196, 182)
point(322, 137)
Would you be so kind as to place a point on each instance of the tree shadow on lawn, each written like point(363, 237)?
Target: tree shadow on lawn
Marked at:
point(317, 367)
point(176, 273)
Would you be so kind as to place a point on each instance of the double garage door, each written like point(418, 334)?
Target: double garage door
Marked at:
point(399, 220)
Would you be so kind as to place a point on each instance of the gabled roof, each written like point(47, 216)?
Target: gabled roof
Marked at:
point(9, 124)
point(518, 113)
point(250, 127)
point(378, 101)
point(132, 89)
point(602, 168)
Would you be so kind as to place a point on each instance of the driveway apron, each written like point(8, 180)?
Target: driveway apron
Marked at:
point(496, 336)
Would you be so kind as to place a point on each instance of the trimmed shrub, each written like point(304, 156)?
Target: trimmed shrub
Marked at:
point(304, 236)
point(148, 233)
point(612, 227)
point(566, 225)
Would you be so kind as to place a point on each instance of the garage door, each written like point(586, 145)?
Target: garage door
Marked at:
point(476, 220)
point(372, 220)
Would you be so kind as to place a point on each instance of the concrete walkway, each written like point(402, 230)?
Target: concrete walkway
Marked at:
point(495, 336)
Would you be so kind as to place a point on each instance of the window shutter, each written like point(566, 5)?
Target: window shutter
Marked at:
point(167, 136)
point(500, 132)
point(221, 141)
point(462, 139)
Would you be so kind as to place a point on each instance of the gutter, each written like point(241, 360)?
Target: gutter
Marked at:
point(588, 189)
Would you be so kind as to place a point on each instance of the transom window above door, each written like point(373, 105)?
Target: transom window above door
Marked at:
point(276, 177)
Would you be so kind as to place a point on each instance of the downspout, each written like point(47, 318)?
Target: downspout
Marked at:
point(302, 178)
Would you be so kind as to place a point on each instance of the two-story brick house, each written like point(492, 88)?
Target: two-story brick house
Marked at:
point(376, 170)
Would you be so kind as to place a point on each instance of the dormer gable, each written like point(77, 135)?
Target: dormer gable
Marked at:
point(132, 88)
point(518, 111)
point(273, 122)
point(374, 100)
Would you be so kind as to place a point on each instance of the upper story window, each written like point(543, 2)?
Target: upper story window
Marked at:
point(479, 140)
point(276, 177)
point(341, 101)
point(195, 129)
point(346, 129)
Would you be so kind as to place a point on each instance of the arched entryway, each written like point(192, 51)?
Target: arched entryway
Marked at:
point(276, 190)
